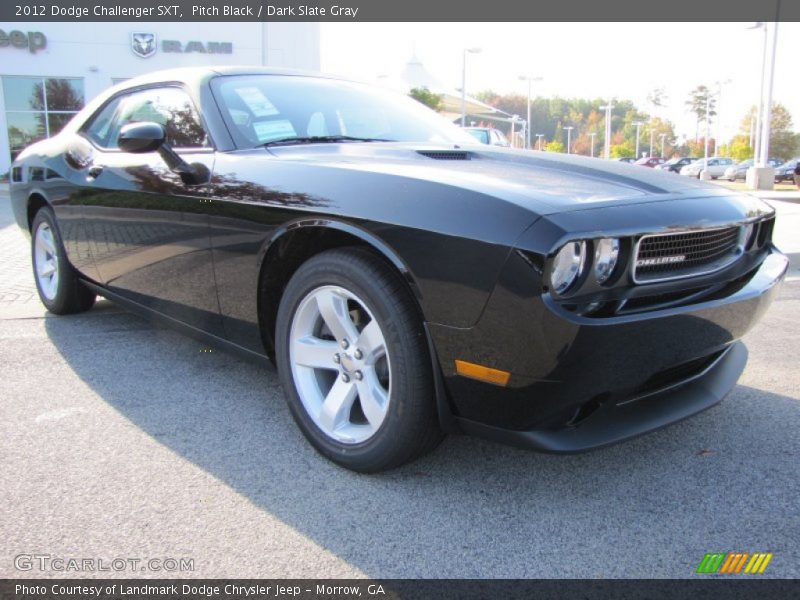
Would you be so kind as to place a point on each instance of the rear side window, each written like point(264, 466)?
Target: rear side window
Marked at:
point(170, 107)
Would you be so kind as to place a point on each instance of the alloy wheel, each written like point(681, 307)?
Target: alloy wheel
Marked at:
point(46, 261)
point(340, 364)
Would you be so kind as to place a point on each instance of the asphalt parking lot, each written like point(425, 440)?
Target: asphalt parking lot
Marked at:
point(120, 439)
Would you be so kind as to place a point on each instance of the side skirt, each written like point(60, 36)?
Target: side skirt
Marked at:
point(172, 323)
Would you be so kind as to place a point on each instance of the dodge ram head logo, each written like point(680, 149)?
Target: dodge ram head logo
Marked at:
point(143, 44)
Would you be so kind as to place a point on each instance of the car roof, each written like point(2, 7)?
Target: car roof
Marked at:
point(197, 74)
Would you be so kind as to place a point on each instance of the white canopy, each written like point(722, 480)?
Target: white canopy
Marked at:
point(415, 75)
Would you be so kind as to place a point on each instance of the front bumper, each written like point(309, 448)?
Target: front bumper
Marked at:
point(579, 383)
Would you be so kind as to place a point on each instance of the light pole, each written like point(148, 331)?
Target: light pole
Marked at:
point(704, 174)
point(719, 114)
point(539, 137)
point(638, 125)
point(591, 135)
point(530, 80)
point(760, 112)
point(760, 176)
point(464, 83)
point(607, 144)
point(569, 137)
point(663, 136)
point(652, 133)
point(766, 120)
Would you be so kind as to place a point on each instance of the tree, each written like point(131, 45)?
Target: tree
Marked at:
point(555, 146)
point(783, 142)
point(657, 98)
point(699, 98)
point(427, 97)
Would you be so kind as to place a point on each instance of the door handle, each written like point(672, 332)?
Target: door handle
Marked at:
point(94, 171)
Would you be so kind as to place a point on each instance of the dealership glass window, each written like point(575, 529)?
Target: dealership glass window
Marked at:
point(39, 107)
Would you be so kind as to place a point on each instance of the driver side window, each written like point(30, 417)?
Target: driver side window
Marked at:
point(170, 107)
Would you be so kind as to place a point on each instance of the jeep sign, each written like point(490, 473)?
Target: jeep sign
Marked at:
point(33, 40)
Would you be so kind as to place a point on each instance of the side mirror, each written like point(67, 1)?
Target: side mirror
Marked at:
point(139, 138)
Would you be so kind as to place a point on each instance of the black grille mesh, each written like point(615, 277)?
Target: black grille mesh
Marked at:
point(446, 154)
point(701, 251)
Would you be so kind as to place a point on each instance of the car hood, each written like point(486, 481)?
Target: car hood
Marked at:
point(546, 182)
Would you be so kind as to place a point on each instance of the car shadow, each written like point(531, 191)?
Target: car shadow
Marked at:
point(471, 508)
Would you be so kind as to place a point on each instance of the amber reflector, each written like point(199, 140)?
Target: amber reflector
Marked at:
point(481, 373)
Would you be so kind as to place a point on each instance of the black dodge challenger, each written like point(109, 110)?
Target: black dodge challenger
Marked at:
point(405, 280)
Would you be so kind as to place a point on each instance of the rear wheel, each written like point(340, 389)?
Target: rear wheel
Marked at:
point(354, 363)
point(57, 282)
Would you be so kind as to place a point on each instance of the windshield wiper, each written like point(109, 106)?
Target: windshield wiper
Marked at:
point(320, 139)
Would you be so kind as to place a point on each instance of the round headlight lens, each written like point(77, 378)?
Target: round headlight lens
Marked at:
point(567, 266)
point(605, 258)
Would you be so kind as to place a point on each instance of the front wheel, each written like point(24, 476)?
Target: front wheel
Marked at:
point(57, 282)
point(354, 363)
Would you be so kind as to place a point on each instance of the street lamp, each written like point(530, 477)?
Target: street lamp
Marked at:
point(530, 80)
point(759, 114)
point(539, 137)
point(719, 114)
point(591, 135)
point(464, 83)
point(607, 144)
point(652, 133)
point(513, 121)
point(760, 176)
point(569, 137)
point(704, 173)
point(638, 125)
point(663, 136)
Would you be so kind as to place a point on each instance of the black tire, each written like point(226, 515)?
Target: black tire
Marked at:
point(71, 295)
point(411, 427)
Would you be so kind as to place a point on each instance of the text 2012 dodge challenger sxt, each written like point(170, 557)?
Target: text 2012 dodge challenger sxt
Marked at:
point(405, 280)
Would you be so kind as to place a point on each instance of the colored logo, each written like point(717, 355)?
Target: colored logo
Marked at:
point(734, 563)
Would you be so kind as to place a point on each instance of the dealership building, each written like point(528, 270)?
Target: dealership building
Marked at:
point(48, 71)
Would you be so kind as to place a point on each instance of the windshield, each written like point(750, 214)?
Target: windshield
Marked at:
point(259, 109)
point(482, 135)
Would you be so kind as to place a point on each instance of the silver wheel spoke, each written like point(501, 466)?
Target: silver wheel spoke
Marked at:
point(374, 400)
point(47, 240)
point(47, 269)
point(333, 308)
point(371, 341)
point(335, 410)
point(310, 351)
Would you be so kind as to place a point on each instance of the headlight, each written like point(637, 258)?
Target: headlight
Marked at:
point(567, 266)
point(605, 258)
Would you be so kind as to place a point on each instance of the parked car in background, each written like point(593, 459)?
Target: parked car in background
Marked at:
point(716, 167)
point(488, 136)
point(650, 161)
point(739, 170)
point(626, 159)
point(675, 164)
point(405, 281)
point(785, 172)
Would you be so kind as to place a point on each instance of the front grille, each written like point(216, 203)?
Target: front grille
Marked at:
point(660, 257)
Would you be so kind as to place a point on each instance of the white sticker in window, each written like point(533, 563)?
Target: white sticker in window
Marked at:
point(273, 130)
point(257, 102)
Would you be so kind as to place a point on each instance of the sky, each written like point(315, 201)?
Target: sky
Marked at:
point(623, 60)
